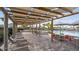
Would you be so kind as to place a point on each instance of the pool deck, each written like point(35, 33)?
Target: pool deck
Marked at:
point(28, 41)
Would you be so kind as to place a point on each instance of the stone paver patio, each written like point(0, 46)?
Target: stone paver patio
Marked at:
point(32, 42)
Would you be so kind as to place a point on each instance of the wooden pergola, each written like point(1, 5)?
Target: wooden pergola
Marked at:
point(32, 15)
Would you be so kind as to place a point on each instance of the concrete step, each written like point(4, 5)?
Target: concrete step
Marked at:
point(23, 48)
point(22, 44)
point(21, 40)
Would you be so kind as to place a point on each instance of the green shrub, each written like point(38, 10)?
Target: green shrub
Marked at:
point(1, 35)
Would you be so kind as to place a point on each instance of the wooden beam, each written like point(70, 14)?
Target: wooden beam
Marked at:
point(27, 18)
point(37, 17)
point(65, 9)
point(15, 16)
point(19, 12)
point(26, 13)
point(26, 21)
point(34, 11)
point(29, 23)
point(48, 10)
point(20, 9)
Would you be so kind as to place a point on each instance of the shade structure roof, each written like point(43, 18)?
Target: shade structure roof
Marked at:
point(32, 15)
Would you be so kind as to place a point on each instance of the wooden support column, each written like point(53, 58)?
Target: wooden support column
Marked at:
point(32, 29)
point(36, 27)
point(39, 28)
point(52, 30)
point(5, 32)
point(14, 29)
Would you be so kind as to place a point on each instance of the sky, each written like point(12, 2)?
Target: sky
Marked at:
point(1, 16)
point(69, 19)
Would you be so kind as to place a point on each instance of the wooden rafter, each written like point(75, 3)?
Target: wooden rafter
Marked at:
point(34, 11)
point(35, 17)
point(66, 9)
point(48, 10)
point(32, 14)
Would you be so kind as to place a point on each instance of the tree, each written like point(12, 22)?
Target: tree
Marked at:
point(48, 25)
point(24, 26)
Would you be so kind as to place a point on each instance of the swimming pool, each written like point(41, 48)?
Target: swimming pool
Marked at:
point(71, 33)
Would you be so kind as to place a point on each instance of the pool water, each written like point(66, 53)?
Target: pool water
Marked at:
point(71, 33)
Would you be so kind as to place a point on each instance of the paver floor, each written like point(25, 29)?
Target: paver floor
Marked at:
point(34, 42)
point(43, 43)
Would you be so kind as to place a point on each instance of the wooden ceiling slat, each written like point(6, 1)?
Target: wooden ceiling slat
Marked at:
point(46, 9)
point(15, 11)
point(38, 17)
point(27, 20)
point(18, 8)
point(16, 16)
point(66, 9)
point(32, 14)
point(34, 11)
point(20, 23)
point(44, 12)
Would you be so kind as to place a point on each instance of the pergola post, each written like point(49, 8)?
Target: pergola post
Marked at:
point(32, 28)
point(36, 28)
point(39, 26)
point(5, 32)
point(52, 30)
point(39, 29)
point(14, 29)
